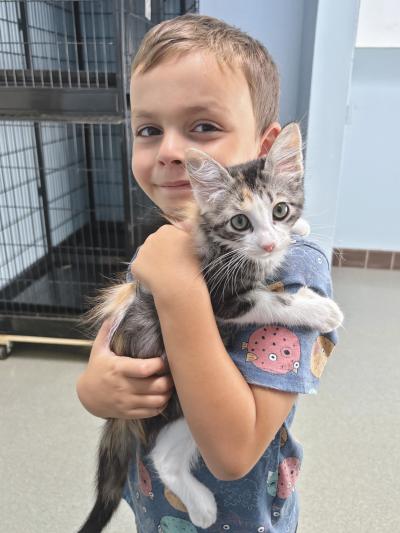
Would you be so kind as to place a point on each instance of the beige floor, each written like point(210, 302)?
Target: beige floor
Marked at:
point(350, 431)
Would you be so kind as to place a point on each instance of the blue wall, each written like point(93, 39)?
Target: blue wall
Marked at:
point(315, 68)
point(280, 27)
point(368, 207)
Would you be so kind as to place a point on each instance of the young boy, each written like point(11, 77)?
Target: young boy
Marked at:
point(197, 82)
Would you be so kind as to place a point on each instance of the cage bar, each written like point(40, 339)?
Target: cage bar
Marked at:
point(71, 215)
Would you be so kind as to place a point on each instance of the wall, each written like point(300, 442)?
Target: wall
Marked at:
point(279, 26)
point(379, 23)
point(331, 77)
point(368, 207)
point(315, 72)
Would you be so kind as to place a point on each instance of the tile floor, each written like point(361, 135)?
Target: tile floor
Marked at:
point(350, 431)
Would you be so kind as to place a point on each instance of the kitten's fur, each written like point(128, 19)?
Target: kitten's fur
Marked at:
point(234, 266)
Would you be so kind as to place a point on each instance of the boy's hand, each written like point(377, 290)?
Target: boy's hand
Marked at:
point(122, 387)
point(166, 262)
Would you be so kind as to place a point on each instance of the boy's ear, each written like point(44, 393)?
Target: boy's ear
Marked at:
point(285, 157)
point(209, 179)
point(268, 138)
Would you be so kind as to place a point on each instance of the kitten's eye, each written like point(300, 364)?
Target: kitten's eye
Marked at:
point(148, 131)
point(240, 223)
point(280, 211)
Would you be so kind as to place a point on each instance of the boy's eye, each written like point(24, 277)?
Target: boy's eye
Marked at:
point(280, 211)
point(148, 131)
point(240, 223)
point(204, 127)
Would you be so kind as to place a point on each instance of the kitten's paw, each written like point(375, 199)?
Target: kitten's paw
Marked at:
point(204, 518)
point(322, 313)
point(333, 317)
point(203, 512)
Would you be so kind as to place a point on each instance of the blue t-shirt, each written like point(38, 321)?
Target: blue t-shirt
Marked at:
point(272, 356)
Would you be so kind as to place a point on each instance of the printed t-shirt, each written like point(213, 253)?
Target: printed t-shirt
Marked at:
point(272, 356)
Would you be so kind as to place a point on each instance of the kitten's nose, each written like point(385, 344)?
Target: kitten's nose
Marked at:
point(268, 247)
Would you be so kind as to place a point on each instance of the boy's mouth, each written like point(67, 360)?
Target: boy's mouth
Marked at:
point(176, 184)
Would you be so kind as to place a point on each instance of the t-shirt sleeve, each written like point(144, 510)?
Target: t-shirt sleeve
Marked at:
point(277, 357)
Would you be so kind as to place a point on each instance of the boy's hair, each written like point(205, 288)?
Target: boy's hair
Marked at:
point(229, 45)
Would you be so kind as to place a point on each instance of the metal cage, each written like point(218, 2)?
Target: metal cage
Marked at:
point(71, 217)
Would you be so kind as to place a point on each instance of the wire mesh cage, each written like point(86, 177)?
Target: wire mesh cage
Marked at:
point(65, 44)
point(70, 214)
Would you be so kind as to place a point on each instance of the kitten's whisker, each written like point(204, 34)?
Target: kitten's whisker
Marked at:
point(315, 234)
point(243, 269)
point(237, 269)
point(216, 263)
point(307, 215)
point(223, 270)
point(231, 265)
point(224, 266)
point(219, 259)
point(227, 277)
point(323, 226)
point(230, 274)
point(258, 267)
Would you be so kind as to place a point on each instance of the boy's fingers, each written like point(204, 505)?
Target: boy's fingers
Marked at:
point(156, 386)
point(152, 407)
point(142, 413)
point(142, 368)
point(155, 402)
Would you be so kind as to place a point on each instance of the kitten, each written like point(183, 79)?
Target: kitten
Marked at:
point(241, 226)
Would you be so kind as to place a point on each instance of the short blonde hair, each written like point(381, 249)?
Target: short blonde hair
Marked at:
point(229, 45)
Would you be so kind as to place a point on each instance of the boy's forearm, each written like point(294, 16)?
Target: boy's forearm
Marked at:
point(217, 402)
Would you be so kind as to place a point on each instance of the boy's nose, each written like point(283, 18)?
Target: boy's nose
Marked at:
point(171, 151)
point(172, 161)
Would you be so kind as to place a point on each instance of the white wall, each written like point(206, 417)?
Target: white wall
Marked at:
point(379, 24)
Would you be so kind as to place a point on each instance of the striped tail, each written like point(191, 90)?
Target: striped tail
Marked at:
point(117, 448)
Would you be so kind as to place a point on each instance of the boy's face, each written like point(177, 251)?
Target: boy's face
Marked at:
point(190, 102)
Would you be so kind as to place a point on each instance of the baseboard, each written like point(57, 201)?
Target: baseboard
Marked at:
point(347, 257)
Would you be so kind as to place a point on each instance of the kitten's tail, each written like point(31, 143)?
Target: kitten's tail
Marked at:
point(109, 303)
point(117, 448)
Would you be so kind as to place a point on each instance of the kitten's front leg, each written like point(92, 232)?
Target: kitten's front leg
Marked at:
point(323, 311)
point(305, 308)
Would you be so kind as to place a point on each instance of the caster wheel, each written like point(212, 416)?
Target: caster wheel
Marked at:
point(5, 350)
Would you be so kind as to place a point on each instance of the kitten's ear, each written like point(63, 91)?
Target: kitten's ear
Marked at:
point(285, 157)
point(209, 179)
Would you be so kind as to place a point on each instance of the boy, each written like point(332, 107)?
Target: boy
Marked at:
point(197, 82)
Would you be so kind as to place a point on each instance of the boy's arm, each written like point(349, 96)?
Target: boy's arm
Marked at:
point(231, 421)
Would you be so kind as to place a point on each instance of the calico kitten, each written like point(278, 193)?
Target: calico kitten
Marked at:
point(241, 226)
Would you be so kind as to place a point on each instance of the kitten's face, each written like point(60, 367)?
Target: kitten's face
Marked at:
point(252, 207)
